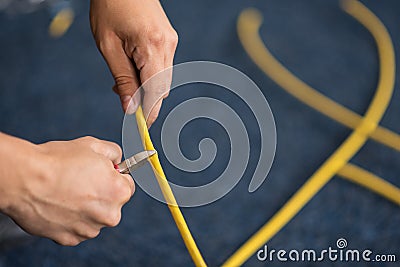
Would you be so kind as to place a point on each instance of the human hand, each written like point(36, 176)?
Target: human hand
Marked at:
point(137, 41)
point(72, 192)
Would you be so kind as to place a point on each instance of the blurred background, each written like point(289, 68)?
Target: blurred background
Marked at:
point(55, 86)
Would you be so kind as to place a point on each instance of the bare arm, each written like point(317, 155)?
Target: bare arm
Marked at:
point(66, 191)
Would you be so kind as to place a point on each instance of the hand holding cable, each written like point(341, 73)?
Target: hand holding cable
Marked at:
point(137, 41)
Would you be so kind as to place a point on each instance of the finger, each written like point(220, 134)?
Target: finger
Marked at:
point(122, 69)
point(110, 150)
point(153, 111)
point(129, 103)
point(154, 89)
point(149, 58)
point(123, 189)
point(169, 60)
point(153, 101)
point(158, 88)
point(130, 183)
point(86, 229)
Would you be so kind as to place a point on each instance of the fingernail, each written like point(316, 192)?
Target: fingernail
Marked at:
point(132, 106)
point(125, 98)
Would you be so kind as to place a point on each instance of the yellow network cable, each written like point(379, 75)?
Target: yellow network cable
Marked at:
point(369, 180)
point(61, 22)
point(250, 20)
point(249, 23)
point(277, 72)
point(167, 193)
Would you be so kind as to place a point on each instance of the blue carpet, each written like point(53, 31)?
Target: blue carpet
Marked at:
point(61, 89)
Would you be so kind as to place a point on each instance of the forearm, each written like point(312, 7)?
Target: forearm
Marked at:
point(18, 161)
point(63, 190)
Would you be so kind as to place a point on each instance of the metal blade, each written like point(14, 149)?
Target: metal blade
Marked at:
point(135, 161)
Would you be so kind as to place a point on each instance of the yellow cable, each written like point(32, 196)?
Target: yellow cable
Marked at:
point(61, 22)
point(264, 59)
point(302, 91)
point(369, 180)
point(167, 193)
point(365, 126)
point(251, 20)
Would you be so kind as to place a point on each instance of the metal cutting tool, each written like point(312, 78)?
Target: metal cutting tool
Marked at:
point(134, 162)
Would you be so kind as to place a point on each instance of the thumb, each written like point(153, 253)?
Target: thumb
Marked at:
point(155, 89)
point(124, 73)
point(110, 150)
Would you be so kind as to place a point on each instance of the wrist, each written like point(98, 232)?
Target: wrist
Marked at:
point(21, 165)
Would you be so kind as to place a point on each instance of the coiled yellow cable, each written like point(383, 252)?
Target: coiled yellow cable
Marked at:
point(167, 193)
point(248, 25)
point(369, 180)
point(277, 72)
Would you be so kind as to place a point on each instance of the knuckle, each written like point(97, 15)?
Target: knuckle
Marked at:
point(106, 44)
point(116, 148)
point(123, 190)
point(173, 38)
point(89, 139)
point(123, 79)
point(127, 194)
point(92, 233)
point(113, 219)
point(156, 37)
point(68, 240)
point(111, 151)
point(87, 231)
point(124, 84)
